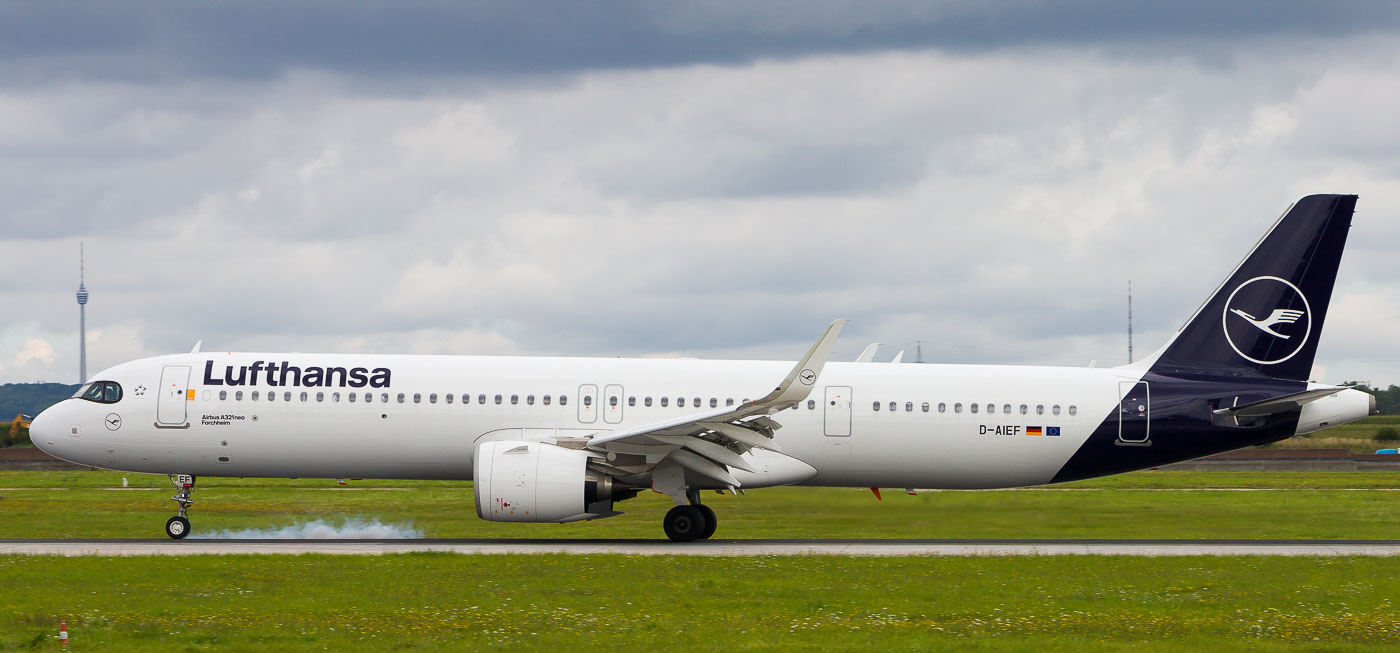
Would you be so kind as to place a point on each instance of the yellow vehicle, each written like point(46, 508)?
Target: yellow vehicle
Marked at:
point(21, 421)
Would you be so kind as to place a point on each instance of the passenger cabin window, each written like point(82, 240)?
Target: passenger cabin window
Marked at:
point(696, 403)
point(383, 397)
point(335, 396)
point(957, 408)
point(1055, 410)
point(303, 395)
point(714, 403)
point(223, 394)
point(925, 406)
point(664, 401)
point(1040, 409)
point(909, 407)
point(612, 401)
point(991, 408)
point(1073, 410)
point(563, 400)
point(892, 406)
point(588, 400)
point(680, 402)
point(647, 402)
point(972, 407)
point(350, 397)
point(514, 399)
point(320, 396)
point(632, 401)
point(253, 396)
point(546, 400)
point(417, 397)
point(811, 404)
point(238, 396)
point(529, 400)
point(498, 400)
point(729, 401)
point(481, 399)
point(942, 407)
point(272, 395)
point(447, 398)
point(401, 397)
point(1024, 408)
point(875, 406)
point(1006, 408)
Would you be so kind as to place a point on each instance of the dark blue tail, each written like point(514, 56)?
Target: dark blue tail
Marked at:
point(1264, 321)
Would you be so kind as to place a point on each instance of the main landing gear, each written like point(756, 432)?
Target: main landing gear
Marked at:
point(179, 526)
point(687, 523)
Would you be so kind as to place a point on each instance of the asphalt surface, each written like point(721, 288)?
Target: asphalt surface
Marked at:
point(715, 547)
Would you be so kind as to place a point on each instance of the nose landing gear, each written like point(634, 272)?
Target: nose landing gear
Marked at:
point(178, 527)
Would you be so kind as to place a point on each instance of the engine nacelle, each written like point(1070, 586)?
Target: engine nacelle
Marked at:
point(537, 482)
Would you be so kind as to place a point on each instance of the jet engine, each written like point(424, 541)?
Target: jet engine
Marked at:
point(538, 482)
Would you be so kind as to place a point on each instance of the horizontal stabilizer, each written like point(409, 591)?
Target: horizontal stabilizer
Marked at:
point(1277, 405)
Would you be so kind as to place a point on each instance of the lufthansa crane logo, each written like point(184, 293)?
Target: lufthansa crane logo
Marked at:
point(1267, 320)
point(807, 377)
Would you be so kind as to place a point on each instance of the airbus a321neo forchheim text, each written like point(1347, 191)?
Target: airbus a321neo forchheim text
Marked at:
point(566, 439)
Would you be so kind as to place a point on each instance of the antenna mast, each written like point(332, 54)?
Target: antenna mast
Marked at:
point(82, 317)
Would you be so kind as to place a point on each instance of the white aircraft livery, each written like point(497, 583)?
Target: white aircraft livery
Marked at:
point(565, 439)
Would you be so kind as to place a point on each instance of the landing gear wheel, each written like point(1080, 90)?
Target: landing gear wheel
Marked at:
point(710, 521)
point(177, 528)
point(684, 523)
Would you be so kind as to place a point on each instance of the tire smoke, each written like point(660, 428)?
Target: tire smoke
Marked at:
point(353, 528)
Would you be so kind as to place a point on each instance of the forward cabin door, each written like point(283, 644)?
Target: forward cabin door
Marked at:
point(588, 403)
point(1134, 412)
point(838, 411)
point(175, 393)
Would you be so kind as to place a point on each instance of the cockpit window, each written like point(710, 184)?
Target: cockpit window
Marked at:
point(102, 392)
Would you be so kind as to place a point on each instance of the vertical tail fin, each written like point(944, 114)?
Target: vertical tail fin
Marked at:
point(1266, 318)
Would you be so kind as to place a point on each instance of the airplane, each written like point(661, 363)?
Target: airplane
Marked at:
point(549, 439)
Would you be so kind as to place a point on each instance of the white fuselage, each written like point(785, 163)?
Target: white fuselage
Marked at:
point(933, 427)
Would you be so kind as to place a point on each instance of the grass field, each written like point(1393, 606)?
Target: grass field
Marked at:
point(452, 602)
point(1150, 504)
point(1358, 436)
point(455, 602)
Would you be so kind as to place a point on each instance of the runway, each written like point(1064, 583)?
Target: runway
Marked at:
point(876, 548)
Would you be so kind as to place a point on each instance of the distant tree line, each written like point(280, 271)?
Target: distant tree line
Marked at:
point(31, 398)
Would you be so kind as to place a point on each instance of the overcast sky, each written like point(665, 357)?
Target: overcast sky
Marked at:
point(693, 179)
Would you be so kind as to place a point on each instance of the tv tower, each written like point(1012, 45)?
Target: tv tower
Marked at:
point(82, 319)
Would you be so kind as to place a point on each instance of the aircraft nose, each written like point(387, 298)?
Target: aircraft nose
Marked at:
point(46, 431)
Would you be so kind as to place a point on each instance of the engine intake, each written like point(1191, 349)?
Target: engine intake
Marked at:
point(538, 482)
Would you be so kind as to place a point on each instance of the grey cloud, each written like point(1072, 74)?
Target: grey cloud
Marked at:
point(144, 41)
point(990, 204)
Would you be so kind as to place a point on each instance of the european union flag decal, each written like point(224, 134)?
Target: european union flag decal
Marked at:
point(1052, 430)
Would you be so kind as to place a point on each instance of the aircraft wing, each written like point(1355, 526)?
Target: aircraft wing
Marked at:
point(710, 443)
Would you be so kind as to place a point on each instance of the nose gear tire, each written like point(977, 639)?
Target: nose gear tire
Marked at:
point(177, 528)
